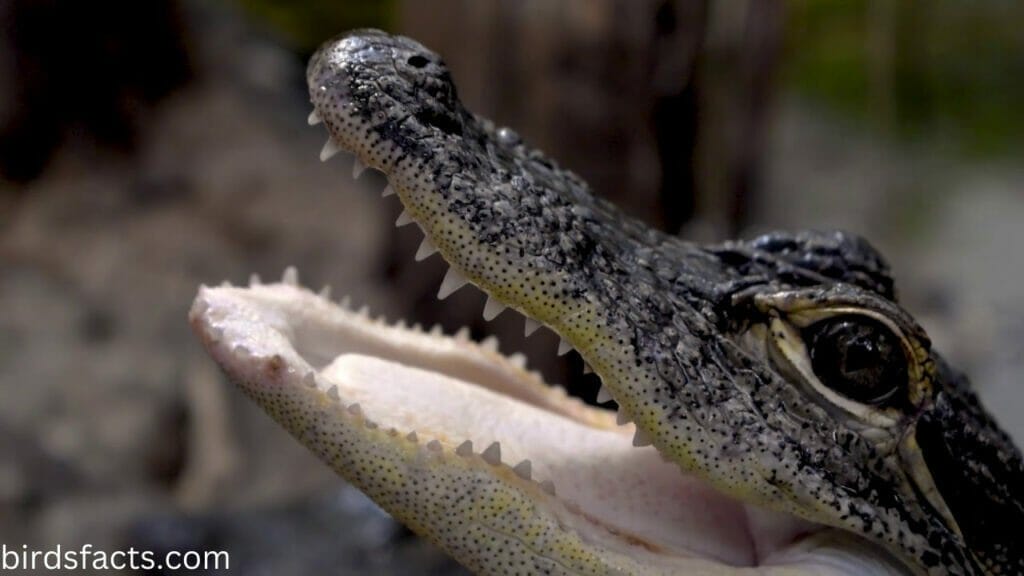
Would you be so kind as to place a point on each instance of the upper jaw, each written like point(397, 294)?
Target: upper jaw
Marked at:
point(647, 311)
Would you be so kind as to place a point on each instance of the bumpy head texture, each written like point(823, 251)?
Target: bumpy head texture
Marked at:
point(780, 369)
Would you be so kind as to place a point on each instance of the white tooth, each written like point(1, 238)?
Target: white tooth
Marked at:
point(364, 311)
point(465, 449)
point(563, 347)
point(309, 379)
point(403, 219)
point(524, 469)
point(493, 308)
point(426, 249)
point(329, 150)
point(640, 438)
point(411, 437)
point(290, 276)
point(518, 360)
point(313, 119)
point(530, 325)
point(325, 292)
point(355, 409)
point(346, 302)
point(587, 369)
point(357, 168)
point(621, 418)
point(436, 330)
point(493, 454)
point(254, 280)
point(434, 446)
point(603, 396)
point(548, 486)
point(462, 333)
point(490, 343)
point(453, 280)
point(332, 393)
point(388, 191)
point(225, 284)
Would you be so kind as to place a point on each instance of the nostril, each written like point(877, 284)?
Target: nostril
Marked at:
point(417, 61)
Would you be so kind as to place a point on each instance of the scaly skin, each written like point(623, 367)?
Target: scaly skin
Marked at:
point(706, 348)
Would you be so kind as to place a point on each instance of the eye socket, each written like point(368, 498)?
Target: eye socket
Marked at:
point(858, 358)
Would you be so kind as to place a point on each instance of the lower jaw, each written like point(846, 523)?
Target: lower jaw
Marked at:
point(468, 397)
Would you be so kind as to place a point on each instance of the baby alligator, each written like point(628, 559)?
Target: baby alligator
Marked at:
point(778, 412)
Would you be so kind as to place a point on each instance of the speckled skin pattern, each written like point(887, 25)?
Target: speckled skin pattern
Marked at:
point(677, 331)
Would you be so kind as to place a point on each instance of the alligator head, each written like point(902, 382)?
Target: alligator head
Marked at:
point(778, 411)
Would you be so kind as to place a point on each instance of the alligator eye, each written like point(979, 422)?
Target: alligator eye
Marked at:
point(858, 358)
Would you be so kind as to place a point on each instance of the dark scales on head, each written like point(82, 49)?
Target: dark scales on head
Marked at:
point(679, 331)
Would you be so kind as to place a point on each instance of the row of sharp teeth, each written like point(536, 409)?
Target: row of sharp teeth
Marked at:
point(453, 280)
point(490, 455)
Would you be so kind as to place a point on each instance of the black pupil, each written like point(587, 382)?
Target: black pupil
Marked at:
point(857, 357)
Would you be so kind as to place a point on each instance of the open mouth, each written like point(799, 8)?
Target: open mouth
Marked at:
point(446, 401)
point(467, 446)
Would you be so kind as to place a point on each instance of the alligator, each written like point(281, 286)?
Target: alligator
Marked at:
point(778, 411)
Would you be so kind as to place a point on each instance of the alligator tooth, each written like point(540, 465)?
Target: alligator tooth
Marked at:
point(403, 219)
point(518, 360)
point(254, 280)
point(587, 369)
point(329, 150)
point(436, 330)
point(603, 397)
point(242, 350)
point(225, 284)
point(493, 308)
point(621, 418)
point(453, 280)
point(563, 347)
point(426, 249)
point(357, 168)
point(313, 118)
point(493, 454)
point(290, 276)
point(530, 325)
point(640, 438)
point(216, 333)
point(490, 343)
point(411, 437)
point(465, 449)
point(355, 409)
point(325, 292)
point(524, 470)
point(462, 333)
point(309, 379)
point(388, 191)
point(332, 393)
point(548, 486)
point(346, 302)
point(434, 445)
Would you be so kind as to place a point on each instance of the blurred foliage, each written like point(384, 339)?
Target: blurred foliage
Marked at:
point(921, 68)
point(307, 23)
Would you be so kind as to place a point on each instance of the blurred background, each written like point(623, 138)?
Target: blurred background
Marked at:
point(148, 147)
